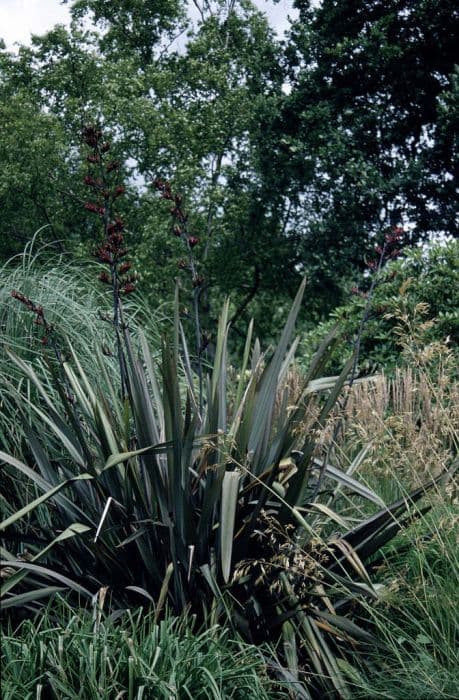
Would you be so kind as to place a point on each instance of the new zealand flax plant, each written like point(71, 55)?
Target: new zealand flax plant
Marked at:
point(196, 493)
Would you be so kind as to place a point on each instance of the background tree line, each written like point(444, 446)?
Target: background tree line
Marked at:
point(292, 155)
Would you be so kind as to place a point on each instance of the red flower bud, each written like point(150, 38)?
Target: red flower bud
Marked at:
point(113, 165)
point(192, 241)
point(117, 225)
point(119, 191)
point(116, 239)
point(125, 267)
point(128, 288)
point(198, 281)
point(105, 278)
point(91, 135)
point(103, 255)
point(90, 206)
point(114, 228)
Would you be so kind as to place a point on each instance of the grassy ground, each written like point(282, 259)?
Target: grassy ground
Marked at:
point(412, 422)
point(417, 622)
point(72, 654)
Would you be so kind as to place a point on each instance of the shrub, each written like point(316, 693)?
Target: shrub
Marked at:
point(227, 508)
point(426, 279)
point(172, 484)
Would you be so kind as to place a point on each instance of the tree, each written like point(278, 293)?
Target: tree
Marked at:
point(133, 27)
point(365, 137)
point(190, 115)
point(276, 182)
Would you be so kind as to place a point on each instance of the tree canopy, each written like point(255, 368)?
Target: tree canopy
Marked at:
point(291, 155)
point(367, 135)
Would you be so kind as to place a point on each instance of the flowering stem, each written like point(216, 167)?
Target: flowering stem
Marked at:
point(390, 240)
point(63, 384)
point(111, 251)
point(181, 231)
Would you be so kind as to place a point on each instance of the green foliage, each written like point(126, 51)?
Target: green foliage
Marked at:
point(213, 488)
point(224, 501)
point(132, 27)
point(416, 297)
point(25, 176)
point(275, 184)
point(64, 653)
point(412, 421)
point(365, 136)
point(185, 115)
point(75, 306)
point(417, 622)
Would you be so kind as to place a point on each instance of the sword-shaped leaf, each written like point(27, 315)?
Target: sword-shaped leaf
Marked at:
point(30, 507)
point(230, 489)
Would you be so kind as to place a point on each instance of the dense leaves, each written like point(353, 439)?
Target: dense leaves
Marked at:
point(290, 156)
point(204, 478)
point(141, 657)
point(415, 300)
point(366, 135)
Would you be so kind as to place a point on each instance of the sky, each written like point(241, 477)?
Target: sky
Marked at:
point(21, 18)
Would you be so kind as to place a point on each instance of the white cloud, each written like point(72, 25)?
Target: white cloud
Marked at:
point(21, 18)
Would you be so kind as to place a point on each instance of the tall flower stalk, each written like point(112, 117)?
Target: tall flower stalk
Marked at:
point(103, 180)
point(389, 250)
point(203, 504)
point(181, 230)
